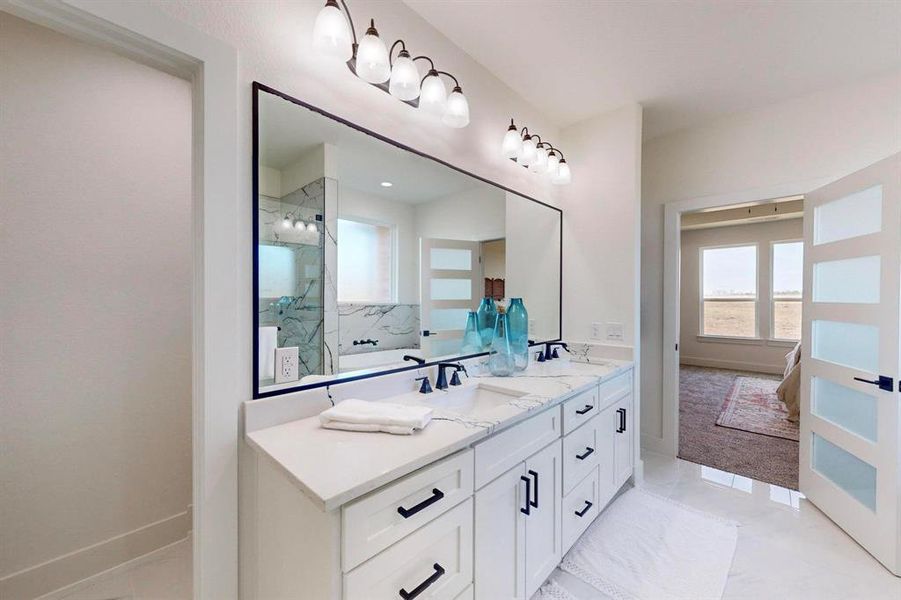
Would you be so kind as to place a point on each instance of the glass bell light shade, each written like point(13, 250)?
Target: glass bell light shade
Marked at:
point(457, 112)
point(529, 151)
point(331, 33)
point(512, 144)
point(299, 225)
point(433, 95)
point(372, 57)
point(404, 82)
point(552, 161)
point(286, 223)
point(539, 165)
point(563, 175)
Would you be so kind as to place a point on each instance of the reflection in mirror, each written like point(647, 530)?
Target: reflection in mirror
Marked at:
point(368, 252)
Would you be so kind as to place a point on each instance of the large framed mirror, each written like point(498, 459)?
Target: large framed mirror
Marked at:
point(367, 252)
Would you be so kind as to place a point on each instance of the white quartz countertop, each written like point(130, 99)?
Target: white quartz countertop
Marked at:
point(334, 467)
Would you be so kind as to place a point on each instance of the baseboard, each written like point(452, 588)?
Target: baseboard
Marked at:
point(655, 444)
point(736, 365)
point(76, 566)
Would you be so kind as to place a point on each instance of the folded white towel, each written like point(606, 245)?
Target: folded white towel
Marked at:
point(360, 415)
point(268, 343)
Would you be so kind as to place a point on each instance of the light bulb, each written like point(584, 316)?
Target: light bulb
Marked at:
point(311, 227)
point(457, 113)
point(404, 83)
point(539, 165)
point(563, 173)
point(331, 33)
point(512, 145)
point(433, 95)
point(529, 151)
point(552, 161)
point(372, 57)
point(286, 222)
point(298, 224)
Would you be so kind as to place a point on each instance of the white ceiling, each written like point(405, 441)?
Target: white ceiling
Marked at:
point(685, 62)
point(287, 131)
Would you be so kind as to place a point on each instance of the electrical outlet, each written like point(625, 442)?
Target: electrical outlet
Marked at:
point(615, 332)
point(595, 331)
point(286, 364)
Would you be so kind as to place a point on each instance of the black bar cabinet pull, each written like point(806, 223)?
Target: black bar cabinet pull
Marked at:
point(581, 513)
point(622, 420)
point(534, 475)
point(588, 452)
point(885, 383)
point(528, 509)
point(585, 410)
point(409, 512)
point(439, 571)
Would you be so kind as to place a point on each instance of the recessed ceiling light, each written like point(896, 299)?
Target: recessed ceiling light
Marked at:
point(386, 184)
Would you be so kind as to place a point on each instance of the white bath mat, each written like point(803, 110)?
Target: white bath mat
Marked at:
point(646, 547)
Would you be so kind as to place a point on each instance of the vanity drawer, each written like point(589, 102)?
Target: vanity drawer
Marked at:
point(376, 521)
point(579, 409)
point(436, 558)
point(580, 454)
point(580, 507)
point(612, 390)
point(499, 453)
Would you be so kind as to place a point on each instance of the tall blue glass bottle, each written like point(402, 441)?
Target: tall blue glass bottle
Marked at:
point(487, 316)
point(518, 319)
point(472, 339)
point(500, 357)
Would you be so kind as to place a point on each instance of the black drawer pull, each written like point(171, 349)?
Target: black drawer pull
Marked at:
point(409, 512)
point(534, 475)
point(585, 410)
point(528, 509)
point(622, 420)
point(439, 571)
point(581, 513)
point(588, 452)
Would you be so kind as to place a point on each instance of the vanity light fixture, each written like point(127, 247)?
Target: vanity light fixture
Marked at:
point(287, 223)
point(334, 36)
point(299, 225)
point(311, 227)
point(530, 151)
point(386, 184)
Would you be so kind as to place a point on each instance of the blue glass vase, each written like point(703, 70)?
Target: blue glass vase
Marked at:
point(500, 357)
point(487, 315)
point(472, 339)
point(518, 319)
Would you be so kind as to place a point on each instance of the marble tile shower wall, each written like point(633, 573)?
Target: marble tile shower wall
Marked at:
point(301, 316)
point(392, 325)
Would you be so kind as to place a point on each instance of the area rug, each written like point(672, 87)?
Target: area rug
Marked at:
point(752, 405)
point(646, 547)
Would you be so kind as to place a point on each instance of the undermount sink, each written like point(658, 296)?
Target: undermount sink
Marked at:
point(469, 399)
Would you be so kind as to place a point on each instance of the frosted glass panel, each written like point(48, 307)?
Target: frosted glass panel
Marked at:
point(448, 318)
point(451, 289)
point(849, 344)
point(845, 470)
point(854, 215)
point(847, 408)
point(853, 280)
point(452, 259)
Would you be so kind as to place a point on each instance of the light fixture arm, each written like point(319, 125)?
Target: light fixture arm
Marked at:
point(403, 48)
point(431, 62)
point(456, 83)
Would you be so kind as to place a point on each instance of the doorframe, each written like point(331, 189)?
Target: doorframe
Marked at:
point(149, 36)
point(668, 443)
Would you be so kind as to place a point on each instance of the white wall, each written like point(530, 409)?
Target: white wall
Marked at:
point(95, 264)
point(793, 145)
point(478, 214)
point(760, 355)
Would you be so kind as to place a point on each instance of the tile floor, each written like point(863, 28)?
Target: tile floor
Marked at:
point(787, 549)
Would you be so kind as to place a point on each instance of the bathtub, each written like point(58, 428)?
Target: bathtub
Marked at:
point(379, 358)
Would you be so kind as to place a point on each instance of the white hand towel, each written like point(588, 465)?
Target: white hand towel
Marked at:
point(360, 415)
point(267, 345)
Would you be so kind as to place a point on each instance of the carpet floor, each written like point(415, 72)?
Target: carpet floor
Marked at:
point(702, 391)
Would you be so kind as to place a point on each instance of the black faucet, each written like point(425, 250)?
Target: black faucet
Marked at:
point(441, 384)
point(416, 359)
point(548, 355)
point(426, 387)
point(364, 342)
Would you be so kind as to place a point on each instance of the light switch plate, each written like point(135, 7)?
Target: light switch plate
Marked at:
point(595, 331)
point(615, 332)
point(286, 364)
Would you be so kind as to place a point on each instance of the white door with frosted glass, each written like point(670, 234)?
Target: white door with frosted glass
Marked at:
point(450, 286)
point(850, 394)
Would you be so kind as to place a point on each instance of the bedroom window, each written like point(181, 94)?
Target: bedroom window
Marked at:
point(366, 259)
point(729, 291)
point(787, 287)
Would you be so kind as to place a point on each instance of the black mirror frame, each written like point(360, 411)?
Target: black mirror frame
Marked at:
point(257, 394)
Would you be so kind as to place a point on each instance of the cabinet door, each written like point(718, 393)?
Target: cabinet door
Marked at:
point(624, 446)
point(607, 424)
point(500, 537)
point(543, 538)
